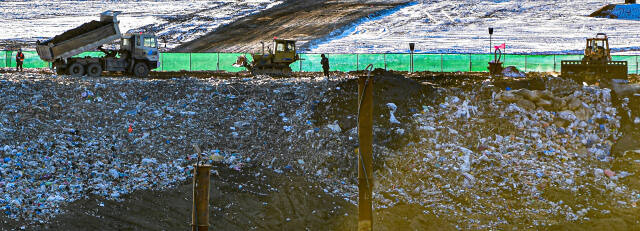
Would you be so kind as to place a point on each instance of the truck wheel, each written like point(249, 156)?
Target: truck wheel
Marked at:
point(141, 70)
point(76, 69)
point(94, 70)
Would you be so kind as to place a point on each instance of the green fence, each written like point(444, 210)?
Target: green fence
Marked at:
point(346, 62)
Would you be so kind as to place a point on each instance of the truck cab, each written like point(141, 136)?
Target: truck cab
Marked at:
point(142, 47)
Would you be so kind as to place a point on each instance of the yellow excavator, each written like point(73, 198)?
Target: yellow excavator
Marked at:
point(270, 62)
point(596, 63)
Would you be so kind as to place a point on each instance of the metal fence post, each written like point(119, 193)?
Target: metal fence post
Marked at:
point(189, 61)
point(300, 65)
point(161, 61)
point(357, 62)
point(385, 61)
point(554, 63)
point(525, 63)
point(441, 63)
point(636, 64)
point(470, 63)
point(218, 62)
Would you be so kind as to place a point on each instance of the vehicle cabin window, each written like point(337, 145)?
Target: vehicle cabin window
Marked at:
point(291, 46)
point(150, 42)
point(280, 47)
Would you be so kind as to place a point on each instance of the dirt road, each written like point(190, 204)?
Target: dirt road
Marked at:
point(308, 21)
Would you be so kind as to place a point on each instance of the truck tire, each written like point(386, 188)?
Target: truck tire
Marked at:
point(141, 70)
point(94, 70)
point(76, 69)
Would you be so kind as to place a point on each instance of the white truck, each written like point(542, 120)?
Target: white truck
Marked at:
point(138, 53)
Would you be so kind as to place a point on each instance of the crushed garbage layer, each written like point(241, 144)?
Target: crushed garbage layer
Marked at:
point(454, 149)
point(64, 138)
point(489, 157)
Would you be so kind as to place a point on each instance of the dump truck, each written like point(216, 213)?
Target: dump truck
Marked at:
point(596, 63)
point(271, 63)
point(138, 52)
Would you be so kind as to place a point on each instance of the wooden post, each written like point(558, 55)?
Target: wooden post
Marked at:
point(365, 151)
point(200, 209)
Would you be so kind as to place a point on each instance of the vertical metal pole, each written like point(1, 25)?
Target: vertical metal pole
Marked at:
point(470, 63)
point(441, 63)
point(411, 63)
point(300, 65)
point(161, 61)
point(190, 61)
point(385, 61)
point(525, 63)
point(365, 151)
point(200, 214)
point(357, 62)
point(218, 62)
point(490, 42)
point(554, 63)
point(637, 65)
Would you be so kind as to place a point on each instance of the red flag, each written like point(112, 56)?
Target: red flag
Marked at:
point(130, 130)
point(503, 46)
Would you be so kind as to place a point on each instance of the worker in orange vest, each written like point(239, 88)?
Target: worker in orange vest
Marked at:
point(19, 60)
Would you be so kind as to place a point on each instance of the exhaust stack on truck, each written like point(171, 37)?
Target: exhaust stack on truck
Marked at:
point(138, 53)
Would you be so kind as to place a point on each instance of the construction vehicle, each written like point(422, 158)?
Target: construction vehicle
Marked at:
point(596, 63)
point(271, 63)
point(138, 53)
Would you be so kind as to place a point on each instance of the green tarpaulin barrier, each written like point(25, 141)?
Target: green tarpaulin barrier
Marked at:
point(424, 62)
point(346, 62)
point(398, 62)
point(310, 63)
point(3, 59)
point(480, 62)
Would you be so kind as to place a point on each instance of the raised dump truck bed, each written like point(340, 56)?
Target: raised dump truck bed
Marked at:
point(86, 37)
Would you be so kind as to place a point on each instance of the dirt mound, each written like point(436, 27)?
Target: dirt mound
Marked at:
point(301, 20)
point(340, 105)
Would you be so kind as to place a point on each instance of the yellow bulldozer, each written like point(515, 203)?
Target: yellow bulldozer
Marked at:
point(596, 63)
point(274, 63)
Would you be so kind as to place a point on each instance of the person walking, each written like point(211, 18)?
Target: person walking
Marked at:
point(19, 60)
point(325, 65)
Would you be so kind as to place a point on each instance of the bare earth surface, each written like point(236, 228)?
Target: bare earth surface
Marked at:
point(307, 21)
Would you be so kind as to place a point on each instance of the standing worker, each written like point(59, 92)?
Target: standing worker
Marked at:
point(325, 65)
point(19, 60)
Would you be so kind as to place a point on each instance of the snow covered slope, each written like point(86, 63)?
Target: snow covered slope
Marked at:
point(179, 21)
point(460, 26)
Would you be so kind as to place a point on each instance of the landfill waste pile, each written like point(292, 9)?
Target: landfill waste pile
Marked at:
point(490, 157)
point(64, 138)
